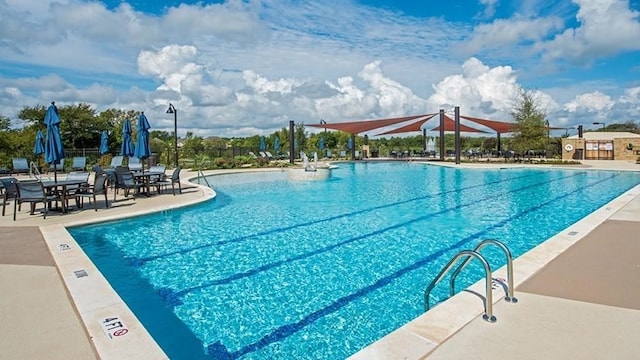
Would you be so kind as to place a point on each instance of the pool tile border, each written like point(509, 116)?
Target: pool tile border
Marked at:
point(116, 333)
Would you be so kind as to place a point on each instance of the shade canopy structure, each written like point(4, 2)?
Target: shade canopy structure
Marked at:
point(412, 127)
point(38, 147)
point(500, 127)
point(450, 125)
point(356, 127)
point(104, 142)
point(127, 143)
point(142, 150)
point(53, 152)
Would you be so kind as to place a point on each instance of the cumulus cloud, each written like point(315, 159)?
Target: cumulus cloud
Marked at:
point(479, 90)
point(246, 67)
point(606, 27)
point(595, 101)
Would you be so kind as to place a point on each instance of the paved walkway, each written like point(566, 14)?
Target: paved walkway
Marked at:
point(583, 304)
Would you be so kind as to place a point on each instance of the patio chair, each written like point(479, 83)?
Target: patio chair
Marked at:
point(116, 161)
point(20, 166)
point(126, 181)
point(99, 187)
point(79, 163)
point(32, 192)
point(175, 179)
point(72, 190)
point(9, 191)
point(135, 164)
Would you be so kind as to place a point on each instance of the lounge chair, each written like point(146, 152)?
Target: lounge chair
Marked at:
point(253, 156)
point(269, 155)
point(57, 167)
point(135, 164)
point(263, 155)
point(79, 163)
point(20, 166)
point(116, 161)
point(343, 153)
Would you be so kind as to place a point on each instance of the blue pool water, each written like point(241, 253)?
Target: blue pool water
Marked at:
point(277, 269)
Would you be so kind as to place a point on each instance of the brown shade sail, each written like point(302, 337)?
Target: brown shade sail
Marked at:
point(355, 127)
point(450, 125)
point(414, 126)
point(497, 126)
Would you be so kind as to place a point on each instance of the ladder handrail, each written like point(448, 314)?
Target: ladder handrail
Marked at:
point(488, 312)
point(33, 171)
point(509, 297)
point(201, 174)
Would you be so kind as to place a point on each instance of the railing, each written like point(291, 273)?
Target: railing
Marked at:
point(201, 174)
point(34, 172)
point(488, 303)
point(509, 296)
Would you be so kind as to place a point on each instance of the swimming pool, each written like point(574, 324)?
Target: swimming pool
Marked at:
point(280, 269)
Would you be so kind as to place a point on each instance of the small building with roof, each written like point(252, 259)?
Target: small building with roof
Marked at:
point(601, 145)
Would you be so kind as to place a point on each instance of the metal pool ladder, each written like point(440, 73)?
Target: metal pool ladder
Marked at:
point(469, 255)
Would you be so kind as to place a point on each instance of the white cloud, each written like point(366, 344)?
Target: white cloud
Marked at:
point(479, 90)
point(607, 27)
point(246, 67)
point(490, 7)
point(503, 35)
point(595, 101)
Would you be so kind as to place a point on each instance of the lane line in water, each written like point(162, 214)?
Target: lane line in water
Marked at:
point(173, 298)
point(217, 350)
point(141, 261)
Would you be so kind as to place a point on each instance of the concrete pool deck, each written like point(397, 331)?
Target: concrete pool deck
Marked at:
point(576, 296)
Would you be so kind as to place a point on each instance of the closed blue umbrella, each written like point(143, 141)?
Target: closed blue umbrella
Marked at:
point(38, 148)
point(263, 146)
point(53, 150)
point(350, 144)
point(321, 144)
point(142, 150)
point(276, 143)
point(127, 143)
point(104, 142)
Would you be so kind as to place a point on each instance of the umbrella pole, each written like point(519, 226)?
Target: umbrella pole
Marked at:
point(55, 172)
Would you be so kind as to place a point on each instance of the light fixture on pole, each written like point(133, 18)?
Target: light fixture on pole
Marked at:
point(174, 111)
point(600, 123)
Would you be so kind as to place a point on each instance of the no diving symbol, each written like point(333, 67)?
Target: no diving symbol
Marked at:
point(120, 332)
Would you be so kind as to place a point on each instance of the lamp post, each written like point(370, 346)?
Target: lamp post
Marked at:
point(174, 111)
point(600, 123)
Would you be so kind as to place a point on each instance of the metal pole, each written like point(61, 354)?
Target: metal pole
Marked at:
point(441, 134)
point(292, 140)
point(457, 133)
point(175, 136)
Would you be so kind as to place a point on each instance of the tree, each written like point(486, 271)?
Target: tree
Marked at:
point(530, 119)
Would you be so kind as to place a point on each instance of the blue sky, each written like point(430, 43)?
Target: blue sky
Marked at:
point(240, 68)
